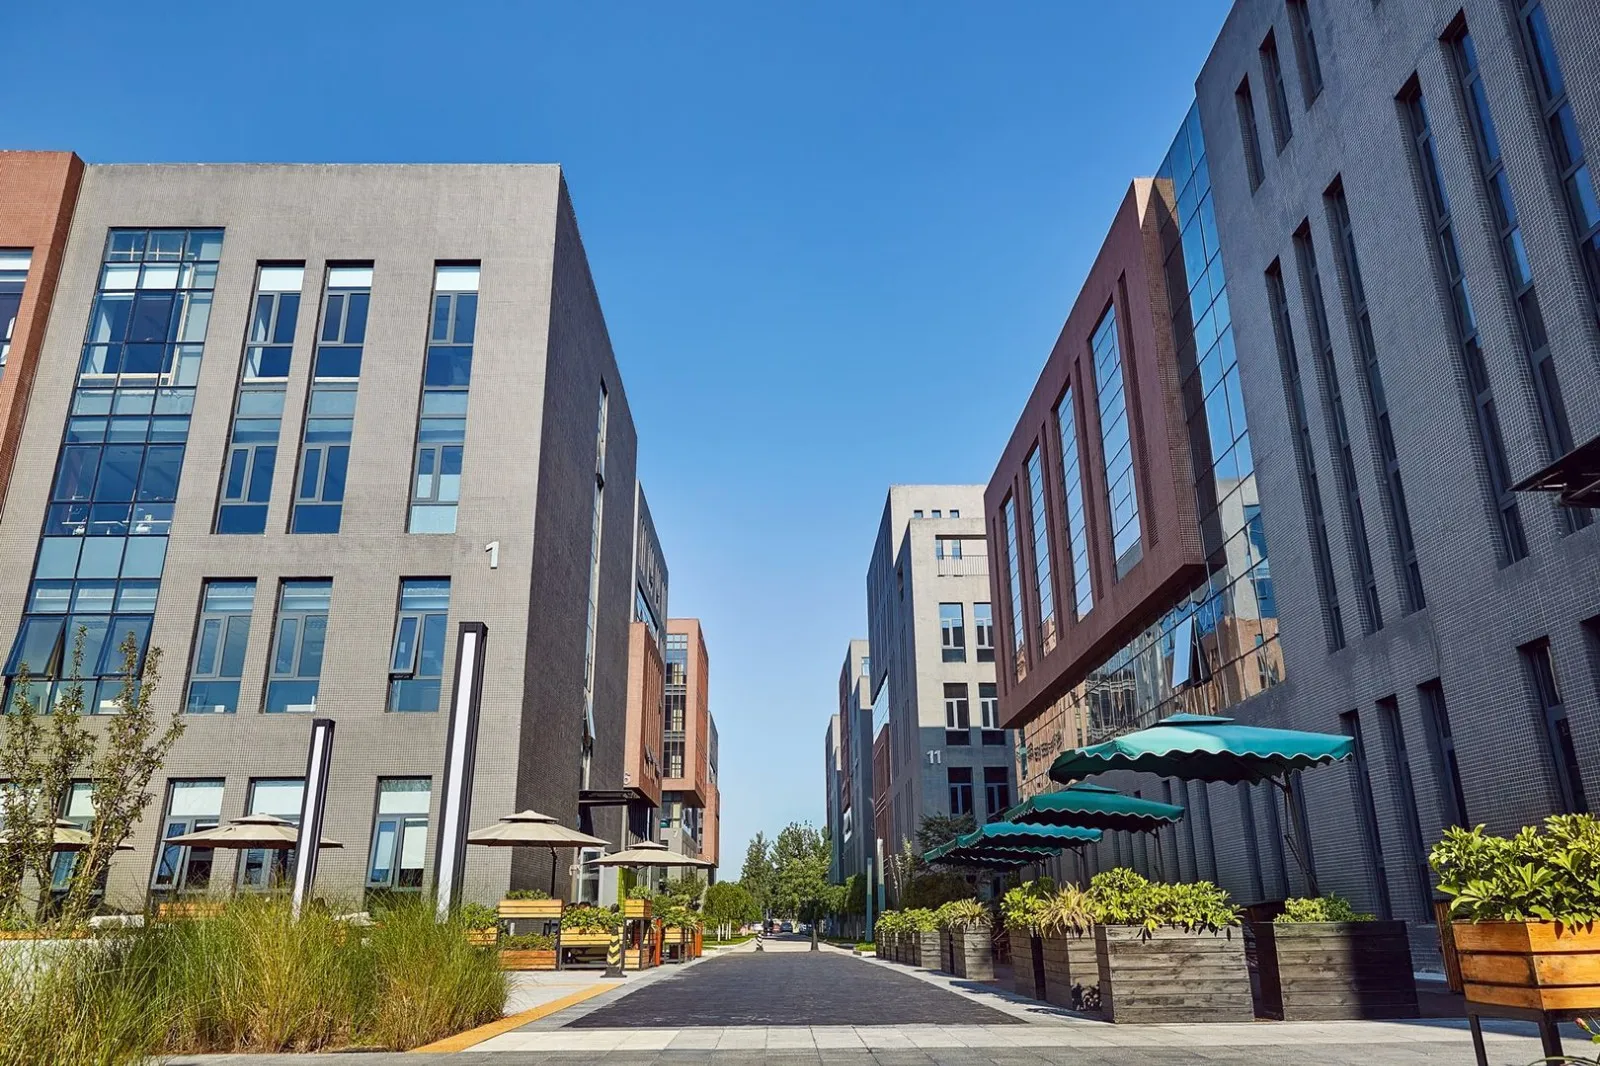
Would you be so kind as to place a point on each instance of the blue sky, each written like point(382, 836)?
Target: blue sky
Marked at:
point(834, 241)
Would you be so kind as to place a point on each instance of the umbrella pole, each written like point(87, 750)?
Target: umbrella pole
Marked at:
point(1298, 847)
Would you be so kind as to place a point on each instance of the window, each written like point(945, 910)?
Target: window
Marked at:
point(1008, 516)
point(956, 714)
point(260, 869)
point(1442, 745)
point(947, 547)
point(1122, 503)
point(79, 810)
point(988, 705)
point(1377, 398)
point(1507, 228)
point(938, 514)
point(399, 835)
point(983, 630)
point(1044, 594)
point(1558, 731)
point(1305, 42)
point(1277, 95)
point(299, 635)
point(104, 542)
point(959, 778)
point(191, 807)
point(1338, 428)
point(1404, 796)
point(1248, 133)
point(219, 646)
point(1366, 809)
point(442, 423)
point(592, 620)
point(673, 752)
point(416, 667)
point(14, 264)
point(916, 514)
point(258, 401)
point(587, 886)
point(996, 791)
point(952, 633)
point(1072, 502)
point(1513, 543)
point(331, 406)
point(954, 513)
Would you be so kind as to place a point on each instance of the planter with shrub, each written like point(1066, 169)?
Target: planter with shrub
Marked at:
point(1526, 908)
point(1067, 945)
point(1322, 961)
point(887, 935)
point(529, 951)
point(528, 903)
point(921, 938)
point(1168, 952)
point(1022, 909)
point(966, 925)
point(482, 924)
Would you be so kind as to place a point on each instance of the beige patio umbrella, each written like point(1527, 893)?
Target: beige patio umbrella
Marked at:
point(68, 837)
point(265, 831)
point(650, 853)
point(530, 829)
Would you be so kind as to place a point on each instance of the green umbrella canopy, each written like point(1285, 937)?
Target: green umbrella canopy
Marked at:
point(1199, 747)
point(1094, 807)
point(996, 858)
point(1046, 839)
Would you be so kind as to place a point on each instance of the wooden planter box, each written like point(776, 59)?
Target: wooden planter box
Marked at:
point(924, 949)
point(969, 954)
point(672, 934)
point(571, 938)
point(483, 938)
point(1172, 975)
point(1027, 964)
point(1534, 965)
point(1071, 972)
point(512, 909)
point(1333, 971)
point(527, 959)
point(636, 908)
point(888, 946)
point(638, 959)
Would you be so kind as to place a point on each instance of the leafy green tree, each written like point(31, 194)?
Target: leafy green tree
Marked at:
point(758, 874)
point(801, 857)
point(729, 905)
point(938, 829)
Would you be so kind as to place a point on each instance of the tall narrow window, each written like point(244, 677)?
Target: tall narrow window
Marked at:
point(959, 779)
point(952, 633)
point(1072, 501)
point(1339, 430)
point(104, 543)
point(983, 631)
point(1377, 398)
point(1366, 810)
point(191, 807)
point(989, 709)
point(299, 635)
point(1305, 43)
point(78, 809)
point(1566, 145)
point(996, 792)
point(1404, 796)
point(1249, 134)
point(219, 646)
point(592, 621)
point(1305, 457)
point(1442, 745)
point(331, 406)
point(14, 264)
point(1122, 498)
point(1277, 95)
point(1038, 522)
point(1557, 728)
point(1252, 841)
point(416, 666)
point(1008, 515)
point(957, 716)
point(399, 835)
point(260, 869)
point(1447, 260)
point(258, 401)
point(442, 423)
point(1514, 257)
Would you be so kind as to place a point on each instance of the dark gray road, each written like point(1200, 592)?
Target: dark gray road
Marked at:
point(789, 988)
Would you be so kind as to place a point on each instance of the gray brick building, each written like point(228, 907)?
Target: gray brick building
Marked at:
point(291, 425)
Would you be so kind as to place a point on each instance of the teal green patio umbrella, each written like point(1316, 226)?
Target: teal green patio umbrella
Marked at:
point(1094, 807)
point(1040, 840)
point(1198, 747)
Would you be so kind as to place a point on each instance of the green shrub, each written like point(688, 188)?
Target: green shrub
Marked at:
point(527, 893)
point(478, 916)
point(1023, 907)
point(1549, 873)
point(431, 983)
point(1124, 897)
point(588, 919)
point(921, 920)
point(528, 942)
point(1069, 911)
point(962, 915)
point(1328, 907)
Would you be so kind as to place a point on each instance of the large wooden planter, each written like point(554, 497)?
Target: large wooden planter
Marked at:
point(514, 909)
point(1172, 975)
point(1332, 971)
point(636, 908)
point(571, 938)
point(528, 959)
point(970, 956)
point(1071, 972)
point(1027, 964)
point(483, 938)
point(1533, 965)
point(924, 949)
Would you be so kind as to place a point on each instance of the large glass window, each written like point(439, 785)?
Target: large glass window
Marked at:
point(988, 705)
point(416, 667)
point(220, 640)
point(956, 714)
point(996, 792)
point(442, 423)
point(79, 810)
point(258, 403)
point(191, 807)
point(14, 263)
point(592, 619)
point(298, 638)
point(952, 633)
point(1072, 501)
point(959, 779)
point(331, 405)
point(983, 631)
point(1038, 522)
point(104, 542)
point(1122, 500)
point(1442, 742)
point(1008, 517)
point(399, 835)
point(261, 869)
point(1568, 772)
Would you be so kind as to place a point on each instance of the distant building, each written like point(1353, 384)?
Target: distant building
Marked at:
point(689, 797)
point(832, 776)
point(857, 833)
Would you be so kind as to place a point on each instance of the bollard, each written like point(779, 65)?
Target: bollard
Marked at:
point(614, 955)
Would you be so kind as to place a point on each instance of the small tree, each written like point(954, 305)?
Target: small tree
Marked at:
point(937, 829)
point(758, 874)
point(729, 904)
point(801, 858)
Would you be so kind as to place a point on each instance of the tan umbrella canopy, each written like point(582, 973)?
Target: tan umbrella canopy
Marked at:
point(68, 837)
point(650, 853)
point(265, 831)
point(530, 829)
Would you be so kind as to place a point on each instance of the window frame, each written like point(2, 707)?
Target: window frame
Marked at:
point(280, 679)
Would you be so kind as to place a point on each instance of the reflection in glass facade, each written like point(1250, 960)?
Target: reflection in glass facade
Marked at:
point(1077, 529)
point(1014, 573)
point(1122, 502)
point(104, 543)
point(1041, 553)
point(1233, 613)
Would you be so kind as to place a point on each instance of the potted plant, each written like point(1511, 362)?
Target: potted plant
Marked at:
point(1525, 909)
point(1168, 952)
point(1321, 960)
point(920, 937)
point(966, 924)
point(586, 926)
point(481, 923)
point(528, 951)
point(529, 903)
point(638, 903)
point(1067, 947)
point(886, 935)
point(1022, 909)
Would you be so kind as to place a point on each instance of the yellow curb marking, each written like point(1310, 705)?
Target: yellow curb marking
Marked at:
point(473, 1037)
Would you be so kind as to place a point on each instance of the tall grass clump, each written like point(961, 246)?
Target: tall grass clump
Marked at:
point(69, 1005)
point(431, 982)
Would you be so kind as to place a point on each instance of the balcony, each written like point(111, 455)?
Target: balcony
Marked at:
point(963, 566)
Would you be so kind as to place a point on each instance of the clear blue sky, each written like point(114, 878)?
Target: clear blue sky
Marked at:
point(834, 241)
